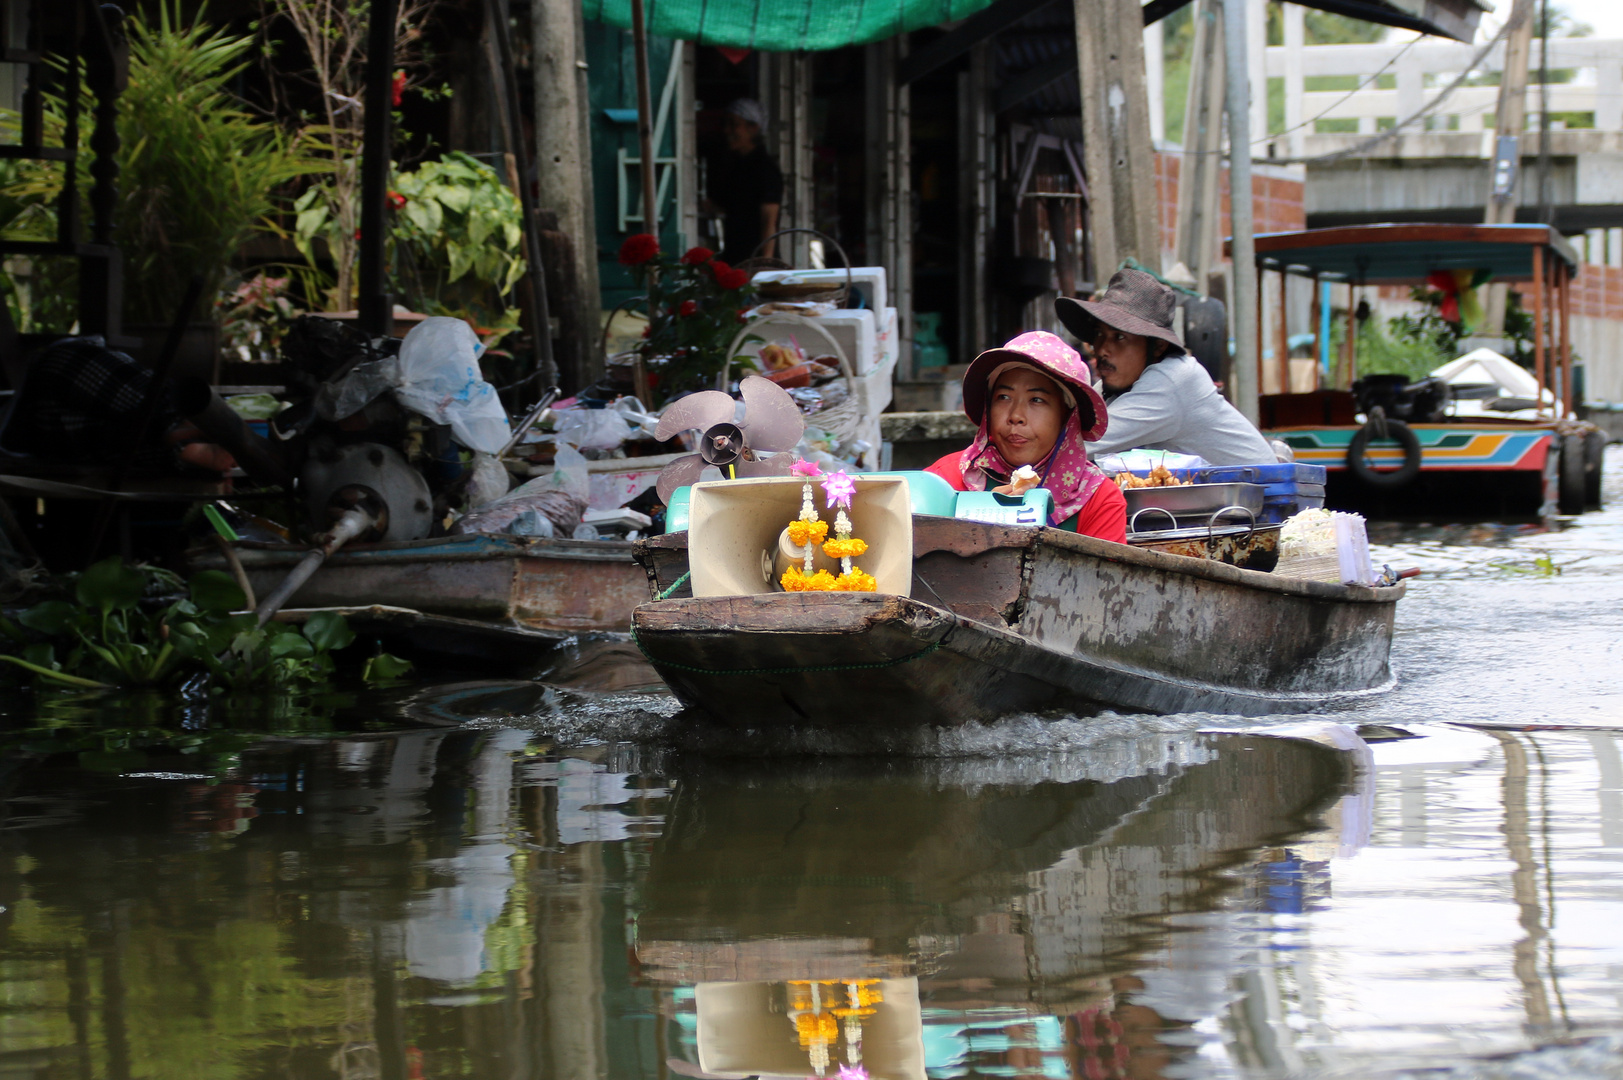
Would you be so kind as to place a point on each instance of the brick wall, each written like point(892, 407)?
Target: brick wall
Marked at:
point(1597, 292)
point(1277, 203)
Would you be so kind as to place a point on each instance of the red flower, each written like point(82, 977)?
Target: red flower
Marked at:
point(698, 256)
point(729, 278)
point(395, 200)
point(638, 249)
point(688, 308)
point(399, 87)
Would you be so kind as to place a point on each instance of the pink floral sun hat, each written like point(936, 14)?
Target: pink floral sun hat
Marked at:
point(1047, 353)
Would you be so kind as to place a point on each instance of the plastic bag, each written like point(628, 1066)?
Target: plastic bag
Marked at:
point(488, 481)
point(592, 429)
point(356, 390)
point(440, 379)
point(561, 495)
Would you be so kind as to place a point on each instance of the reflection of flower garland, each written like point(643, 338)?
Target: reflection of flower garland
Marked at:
point(817, 1024)
point(807, 530)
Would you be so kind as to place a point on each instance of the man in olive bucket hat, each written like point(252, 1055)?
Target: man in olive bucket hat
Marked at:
point(1158, 396)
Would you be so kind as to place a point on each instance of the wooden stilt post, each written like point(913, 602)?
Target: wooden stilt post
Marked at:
point(1319, 347)
point(1124, 203)
point(1284, 338)
point(1538, 322)
point(1569, 392)
point(645, 149)
point(1262, 322)
point(1351, 346)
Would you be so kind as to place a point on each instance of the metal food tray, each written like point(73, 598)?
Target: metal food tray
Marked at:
point(1192, 500)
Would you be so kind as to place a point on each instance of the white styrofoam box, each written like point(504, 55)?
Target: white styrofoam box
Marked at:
point(867, 282)
point(616, 481)
point(873, 391)
point(857, 331)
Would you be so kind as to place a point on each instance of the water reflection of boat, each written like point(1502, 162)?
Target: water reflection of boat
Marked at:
point(1006, 618)
point(1009, 900)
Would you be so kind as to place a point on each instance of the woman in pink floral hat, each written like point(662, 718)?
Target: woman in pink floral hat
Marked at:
point(1035, 407)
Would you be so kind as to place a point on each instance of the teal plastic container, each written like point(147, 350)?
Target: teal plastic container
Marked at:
point(1032, 508)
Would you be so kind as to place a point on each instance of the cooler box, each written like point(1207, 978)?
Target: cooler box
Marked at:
point(1032, 508)
point(867, 283)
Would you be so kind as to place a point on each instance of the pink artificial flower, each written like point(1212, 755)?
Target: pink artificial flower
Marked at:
point(805, 468)
point(838, 489)
point(852, 1072)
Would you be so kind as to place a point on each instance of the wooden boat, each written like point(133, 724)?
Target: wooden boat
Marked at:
point(1006, 618)
point(548, 587)
point(1438, 467)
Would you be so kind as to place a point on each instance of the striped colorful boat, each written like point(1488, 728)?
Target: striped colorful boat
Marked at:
point(1481, 471)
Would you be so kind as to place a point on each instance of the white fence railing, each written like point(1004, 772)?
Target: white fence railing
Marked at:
point(1422, 70)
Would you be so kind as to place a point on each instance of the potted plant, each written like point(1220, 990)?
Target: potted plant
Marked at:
point(695, 306)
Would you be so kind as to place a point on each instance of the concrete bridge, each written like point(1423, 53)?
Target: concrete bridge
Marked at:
point(1436, 168)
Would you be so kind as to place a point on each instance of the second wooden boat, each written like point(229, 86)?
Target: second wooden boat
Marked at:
point(1004, 619)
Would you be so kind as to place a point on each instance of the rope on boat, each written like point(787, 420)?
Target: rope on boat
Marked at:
point(796, 670)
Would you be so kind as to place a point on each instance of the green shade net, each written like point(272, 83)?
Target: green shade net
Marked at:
point(784, 25)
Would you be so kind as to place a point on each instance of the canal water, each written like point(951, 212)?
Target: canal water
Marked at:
point(510, 881)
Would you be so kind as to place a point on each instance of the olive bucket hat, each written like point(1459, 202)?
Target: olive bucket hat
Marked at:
point(1133, 302)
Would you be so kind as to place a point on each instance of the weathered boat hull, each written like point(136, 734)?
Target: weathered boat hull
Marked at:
point(564, 586)
point(1020, 619)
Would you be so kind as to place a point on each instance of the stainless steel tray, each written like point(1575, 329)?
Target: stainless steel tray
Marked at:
point(1194, 500)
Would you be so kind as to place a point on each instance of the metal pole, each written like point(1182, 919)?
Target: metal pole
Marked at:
point(645, 119)
point(376, 306)
point(1238, 107)
point(1546, 211)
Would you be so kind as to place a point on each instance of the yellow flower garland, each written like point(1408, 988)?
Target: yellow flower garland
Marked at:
point(800, 532)
point(856, 581)
point(794, 580)
point(840, 549)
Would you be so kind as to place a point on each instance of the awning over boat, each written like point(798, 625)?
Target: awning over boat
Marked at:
point(785, 25)
point(804, 25)
point(1406, 254)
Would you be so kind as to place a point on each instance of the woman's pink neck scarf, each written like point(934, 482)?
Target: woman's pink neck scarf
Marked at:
point(1067, 474)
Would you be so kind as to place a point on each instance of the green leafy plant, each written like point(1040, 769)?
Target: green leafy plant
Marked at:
point(105, 638)
point(331, 61)
point(455, 239)
point(696, 304)
point(198, 174)
point(254, 317)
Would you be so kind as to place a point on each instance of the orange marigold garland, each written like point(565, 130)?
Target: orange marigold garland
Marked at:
point(807, 531)
point(803, 533)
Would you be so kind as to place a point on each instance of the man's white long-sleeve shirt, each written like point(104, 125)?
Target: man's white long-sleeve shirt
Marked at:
point(1174, 406)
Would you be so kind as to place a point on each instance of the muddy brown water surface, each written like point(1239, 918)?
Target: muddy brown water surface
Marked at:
point(566, 879)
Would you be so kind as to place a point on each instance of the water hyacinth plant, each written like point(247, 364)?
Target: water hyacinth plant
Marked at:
point(106, 638)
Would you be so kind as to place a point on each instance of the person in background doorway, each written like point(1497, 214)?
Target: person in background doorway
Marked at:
point(1034, 408)
point(746, 187)
point(1159, 396)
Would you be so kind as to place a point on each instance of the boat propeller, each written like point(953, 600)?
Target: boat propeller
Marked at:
point(772, 424)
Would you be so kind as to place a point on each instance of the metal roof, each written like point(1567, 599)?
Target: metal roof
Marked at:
point(1405, 254)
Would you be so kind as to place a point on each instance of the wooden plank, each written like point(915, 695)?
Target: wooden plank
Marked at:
point(1564, 297)
point(1539, 282)
point(1124, 207)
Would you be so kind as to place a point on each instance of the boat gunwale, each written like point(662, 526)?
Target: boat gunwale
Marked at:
point(480, 547)
point(1031, 537)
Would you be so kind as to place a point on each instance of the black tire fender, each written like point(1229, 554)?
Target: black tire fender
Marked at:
point(1398, 432)
point(1570, 486)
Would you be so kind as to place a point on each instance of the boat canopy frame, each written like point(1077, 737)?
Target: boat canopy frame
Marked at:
point(1406, 254)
